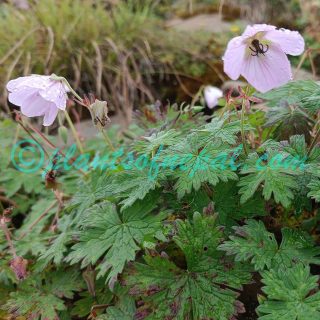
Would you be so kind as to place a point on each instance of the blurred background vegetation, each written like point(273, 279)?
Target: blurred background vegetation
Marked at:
point(133, 52)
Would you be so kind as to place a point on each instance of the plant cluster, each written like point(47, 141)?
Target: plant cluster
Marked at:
point(225, 201)
point(112, 243)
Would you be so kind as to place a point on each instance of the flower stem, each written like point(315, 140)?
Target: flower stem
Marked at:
point(32, 137)
point(7, 234)
point(107, 139)
point(314, 141)
point(243, 136)
point(74, 132)
point(52, 146)
point(71, 89)
point(43, 137)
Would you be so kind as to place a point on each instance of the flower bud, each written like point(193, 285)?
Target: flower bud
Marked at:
point(63, 134)
point(197, 108)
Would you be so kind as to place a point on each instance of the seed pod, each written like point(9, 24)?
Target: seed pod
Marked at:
point(99, 113)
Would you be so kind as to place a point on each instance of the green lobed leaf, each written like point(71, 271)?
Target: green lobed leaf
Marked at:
point(292, 294)
point(254, 243)
point(273, 174)
point(302, 93)
point(231, 211)
point(36, 298)
point(132, 185)
point(207, 289)
point(194, 166)
point(113, 237)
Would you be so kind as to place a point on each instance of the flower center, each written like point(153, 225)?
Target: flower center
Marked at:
point(257, 46)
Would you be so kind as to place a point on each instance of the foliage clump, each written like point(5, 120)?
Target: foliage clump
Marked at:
point(175, 223)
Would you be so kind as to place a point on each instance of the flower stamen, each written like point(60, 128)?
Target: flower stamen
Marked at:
point(258, 48)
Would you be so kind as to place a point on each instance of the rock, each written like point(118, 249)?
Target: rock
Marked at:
point(21, 4)
point(202, 22)
point(303, 74)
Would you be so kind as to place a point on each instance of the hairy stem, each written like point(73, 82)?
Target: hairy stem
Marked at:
point(74, 132)
point(7, 234)
point(71, 89)
point(314, 141)
point(107, 139)
point(32, 136)
point(243, 136)
point(49, 143)
point(46, 140)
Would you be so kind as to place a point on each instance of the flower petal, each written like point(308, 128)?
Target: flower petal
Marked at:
point(269, 71)
point(33, 81)
point(20, 96)
point(212, 95)
point(55, 93)
point(291, 42)
point(34, 106)
point(233, 58)
point(250, 31)
point(50, 115)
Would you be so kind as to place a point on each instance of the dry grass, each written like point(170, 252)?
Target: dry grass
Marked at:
point(112, 50)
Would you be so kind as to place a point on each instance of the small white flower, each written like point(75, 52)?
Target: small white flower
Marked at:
point(212, 95)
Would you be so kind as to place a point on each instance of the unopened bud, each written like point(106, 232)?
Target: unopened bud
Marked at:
point(197, 108)
point(63, 134)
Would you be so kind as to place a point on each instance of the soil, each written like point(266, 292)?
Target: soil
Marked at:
point(249, 298)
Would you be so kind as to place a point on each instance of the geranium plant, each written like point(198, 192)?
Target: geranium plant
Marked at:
point(182, 216)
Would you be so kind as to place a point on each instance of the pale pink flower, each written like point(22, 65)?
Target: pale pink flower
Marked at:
point(38, 96)
point(259, 55)
point(212, 96)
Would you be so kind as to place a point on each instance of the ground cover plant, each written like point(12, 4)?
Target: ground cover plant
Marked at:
point(180, 216)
